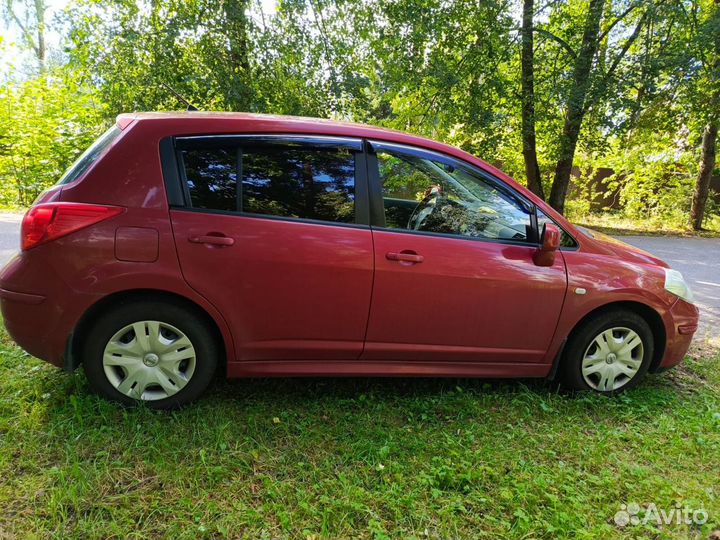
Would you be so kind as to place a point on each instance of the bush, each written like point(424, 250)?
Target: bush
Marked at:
point(44, 124)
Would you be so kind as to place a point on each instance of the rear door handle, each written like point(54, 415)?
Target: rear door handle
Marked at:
point(405, 256)
point(213, 240)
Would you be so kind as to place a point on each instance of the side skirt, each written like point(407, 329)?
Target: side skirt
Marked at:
point(384, 368)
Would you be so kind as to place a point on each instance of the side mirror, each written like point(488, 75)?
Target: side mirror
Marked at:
point(549, 244)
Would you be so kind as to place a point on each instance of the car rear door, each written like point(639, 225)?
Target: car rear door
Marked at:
point(273, 230)
point(455, 279)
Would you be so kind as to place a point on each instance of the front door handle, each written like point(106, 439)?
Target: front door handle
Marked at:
point(405, 256)
point(213, 240)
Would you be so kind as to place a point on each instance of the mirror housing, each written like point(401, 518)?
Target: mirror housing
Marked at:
point(549, 244)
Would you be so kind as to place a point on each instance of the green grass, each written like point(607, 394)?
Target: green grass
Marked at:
point(616, 224)
point(370, 458)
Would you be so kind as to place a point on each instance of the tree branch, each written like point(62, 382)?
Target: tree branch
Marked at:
point(320, 25)
point(560, 41)
point(628, 42)
point(620, 17)
point(613, 67)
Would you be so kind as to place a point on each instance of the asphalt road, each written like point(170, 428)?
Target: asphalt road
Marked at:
point(699, 261)
point(697, 258)
point(9, 235)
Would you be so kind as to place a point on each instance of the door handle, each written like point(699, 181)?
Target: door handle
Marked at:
point(212, 240)
point(405, 256)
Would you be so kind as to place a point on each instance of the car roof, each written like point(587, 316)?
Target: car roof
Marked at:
point(249, 122)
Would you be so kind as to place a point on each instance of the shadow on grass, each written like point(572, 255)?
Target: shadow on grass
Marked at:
point(394, 395)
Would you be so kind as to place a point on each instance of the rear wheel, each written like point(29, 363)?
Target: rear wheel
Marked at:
point(155, 352)
point(609, 353)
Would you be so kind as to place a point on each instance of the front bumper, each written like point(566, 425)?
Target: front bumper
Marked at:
point(680, 327)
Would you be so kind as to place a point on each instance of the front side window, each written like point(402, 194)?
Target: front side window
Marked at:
point(290, 180)
point(566, 240)
point(423, 194)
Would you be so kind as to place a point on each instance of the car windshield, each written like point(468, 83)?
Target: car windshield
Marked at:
point(90, 156)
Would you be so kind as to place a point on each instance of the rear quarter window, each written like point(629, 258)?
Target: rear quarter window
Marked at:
point(90, 156)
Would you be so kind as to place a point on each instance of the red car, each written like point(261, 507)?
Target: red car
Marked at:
point(180, 244)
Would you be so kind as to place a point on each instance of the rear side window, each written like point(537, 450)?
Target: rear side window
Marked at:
point(289, 180)
point(211, 177)
point(90, 156)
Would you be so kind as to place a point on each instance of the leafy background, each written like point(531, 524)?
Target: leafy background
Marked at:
point(447, 70)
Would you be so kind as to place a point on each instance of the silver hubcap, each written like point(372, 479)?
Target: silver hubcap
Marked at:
point(149, 360)
point(612, 359)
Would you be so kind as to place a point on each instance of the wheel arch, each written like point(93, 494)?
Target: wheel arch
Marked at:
point(72, 355)
point(650, 315)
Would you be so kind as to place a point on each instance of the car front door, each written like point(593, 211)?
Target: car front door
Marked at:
point(455, 279)
point(274, 232)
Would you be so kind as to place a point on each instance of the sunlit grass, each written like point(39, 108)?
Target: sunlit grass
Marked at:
point(340, 458)
point(613, 223)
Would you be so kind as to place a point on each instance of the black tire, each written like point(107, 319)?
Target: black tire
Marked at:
point(582, 338)
point(195, 327)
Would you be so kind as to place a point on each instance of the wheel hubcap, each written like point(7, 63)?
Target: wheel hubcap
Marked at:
point(149, 360)
point(612, 359)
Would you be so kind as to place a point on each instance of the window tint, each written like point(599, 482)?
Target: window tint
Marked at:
point(90, 156)
point(211, 176)
point(286, 180)
point(426, 195)
point(299, 182)
point(565, 239)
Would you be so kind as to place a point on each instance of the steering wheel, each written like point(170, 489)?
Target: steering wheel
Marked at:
point(424, 208)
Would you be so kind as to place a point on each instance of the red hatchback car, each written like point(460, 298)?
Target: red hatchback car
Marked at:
point(280, 246)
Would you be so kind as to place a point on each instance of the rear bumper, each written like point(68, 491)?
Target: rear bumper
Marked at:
point(24, 314)
point(39, 310)
point(22, 298)
point(680, 326)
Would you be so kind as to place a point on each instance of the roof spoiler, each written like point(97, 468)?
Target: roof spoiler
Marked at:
point(124, 120)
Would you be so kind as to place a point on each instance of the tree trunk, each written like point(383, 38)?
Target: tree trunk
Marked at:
point(40, 51)
point(532, 169)
point(709, 140)
point(702, 186)
point(236, 30)
point(576, 105)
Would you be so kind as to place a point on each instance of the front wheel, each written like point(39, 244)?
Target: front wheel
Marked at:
point(609, 353)
point(150, 351)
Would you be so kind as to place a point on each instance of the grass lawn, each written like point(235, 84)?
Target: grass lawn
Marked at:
point(370, 458)
point(614, 224)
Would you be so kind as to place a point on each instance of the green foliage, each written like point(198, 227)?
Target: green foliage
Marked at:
point(653, 184)
point(44, 123)
point(447, 70)
point(134, 52)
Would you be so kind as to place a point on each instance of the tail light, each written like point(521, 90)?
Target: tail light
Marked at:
point(50, 221)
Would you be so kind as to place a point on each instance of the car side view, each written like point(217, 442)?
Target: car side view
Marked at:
point(184, 243)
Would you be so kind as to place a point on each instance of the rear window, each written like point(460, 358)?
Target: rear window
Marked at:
point(90, 156)
point(284, 180)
